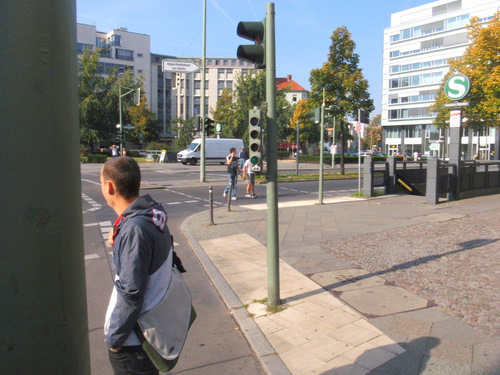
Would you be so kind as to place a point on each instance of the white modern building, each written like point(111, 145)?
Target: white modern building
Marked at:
point(417, 49)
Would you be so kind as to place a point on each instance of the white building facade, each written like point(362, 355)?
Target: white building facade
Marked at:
point(123, 50)
point(418, 47)
point(182, 99)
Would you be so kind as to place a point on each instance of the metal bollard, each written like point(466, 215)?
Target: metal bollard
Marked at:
point(211, 200)
point(229, 193)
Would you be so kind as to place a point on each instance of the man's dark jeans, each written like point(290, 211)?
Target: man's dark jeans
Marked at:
point(131, 360)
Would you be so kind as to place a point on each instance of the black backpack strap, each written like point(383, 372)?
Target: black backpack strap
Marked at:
point(176, 260)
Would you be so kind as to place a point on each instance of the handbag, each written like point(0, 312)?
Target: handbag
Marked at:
point(162, 330)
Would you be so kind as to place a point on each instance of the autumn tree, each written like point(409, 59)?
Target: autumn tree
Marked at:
point(308, 130)
point(345, 88)
point(373, 133)
point(481, 63)
point(145, 122)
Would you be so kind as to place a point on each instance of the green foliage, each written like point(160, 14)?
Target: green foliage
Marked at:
point(99, 103)
point(156, 146)
point(481, 63)
point(96, 158)
point(250, 91)
point(186, 130)
point(341, 82)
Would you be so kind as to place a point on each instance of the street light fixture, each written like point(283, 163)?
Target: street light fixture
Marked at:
point(120, 125)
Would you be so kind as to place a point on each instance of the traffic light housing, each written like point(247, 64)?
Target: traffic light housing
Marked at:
point(316, 115)
point(199, 121)
point(255, 139)
point(209, 128)
point(364, 116)
point(256, 53)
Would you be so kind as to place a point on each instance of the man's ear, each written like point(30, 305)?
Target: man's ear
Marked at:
point(110, 187)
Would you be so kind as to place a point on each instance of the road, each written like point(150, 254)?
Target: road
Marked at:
point(215, 345)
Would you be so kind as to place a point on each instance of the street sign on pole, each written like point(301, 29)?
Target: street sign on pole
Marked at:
point(176, 66)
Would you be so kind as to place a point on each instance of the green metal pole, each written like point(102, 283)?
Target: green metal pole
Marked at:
point(322, 149)
point(272, 163)
point(333, 142)
point(43, 317)
point(202, 101)
point(120, 116)
point(297, 149)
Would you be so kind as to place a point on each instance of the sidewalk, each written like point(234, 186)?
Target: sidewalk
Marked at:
point(386, 285)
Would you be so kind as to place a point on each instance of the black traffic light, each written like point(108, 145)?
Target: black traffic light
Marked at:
point(256, 53)
point(199, 123)
point(255, 139)
point(364, 116)
point(209, 128)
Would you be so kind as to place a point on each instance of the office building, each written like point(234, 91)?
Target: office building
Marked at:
point(418, 47)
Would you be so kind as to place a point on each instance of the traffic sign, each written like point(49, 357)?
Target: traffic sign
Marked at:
point(176, 66)
point(457, 87)
point(218, 127)
point(358, 127)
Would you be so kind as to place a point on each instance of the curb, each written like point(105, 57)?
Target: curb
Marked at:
point(266, 354)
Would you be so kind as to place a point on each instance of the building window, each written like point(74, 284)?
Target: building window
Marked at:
point(82, 47)
point(294, 97)
point(115, 40)
point(217, 62)
point(124, 54)
point(209, 62)
point(139, 55)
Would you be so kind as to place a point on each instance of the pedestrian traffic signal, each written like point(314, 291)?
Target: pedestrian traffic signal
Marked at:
point(209, 128)
point(256, 54)
point(316, 115)
point(364, 116)
point(255, 139)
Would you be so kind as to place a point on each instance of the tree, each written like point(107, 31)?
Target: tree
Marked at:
point(481, 63)
point(99, 101)
point(145, 123)
point(250, 91)
point(308, 130)
point(186, 130)
point(373, 133)
point(342, 80)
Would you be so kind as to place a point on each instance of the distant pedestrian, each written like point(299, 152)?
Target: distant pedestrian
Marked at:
point(405, 156)
point(114, 150)
point(415, 155)
point(242, 158)
point(232, 172)
point(247, 171)
point(124, 152)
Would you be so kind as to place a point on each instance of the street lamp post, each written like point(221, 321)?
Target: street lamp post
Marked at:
point(120, 110)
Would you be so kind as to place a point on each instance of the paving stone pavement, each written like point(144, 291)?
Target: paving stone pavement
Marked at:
point(427, 276)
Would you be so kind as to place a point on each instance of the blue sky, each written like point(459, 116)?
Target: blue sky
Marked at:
point(303, 29)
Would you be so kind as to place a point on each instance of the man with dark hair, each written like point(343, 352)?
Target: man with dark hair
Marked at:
point(232, 172)
point(142, 262)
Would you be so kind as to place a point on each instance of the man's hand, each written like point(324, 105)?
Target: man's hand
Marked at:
point(111, 241)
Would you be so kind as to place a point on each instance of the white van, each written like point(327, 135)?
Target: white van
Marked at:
point(216, 150)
